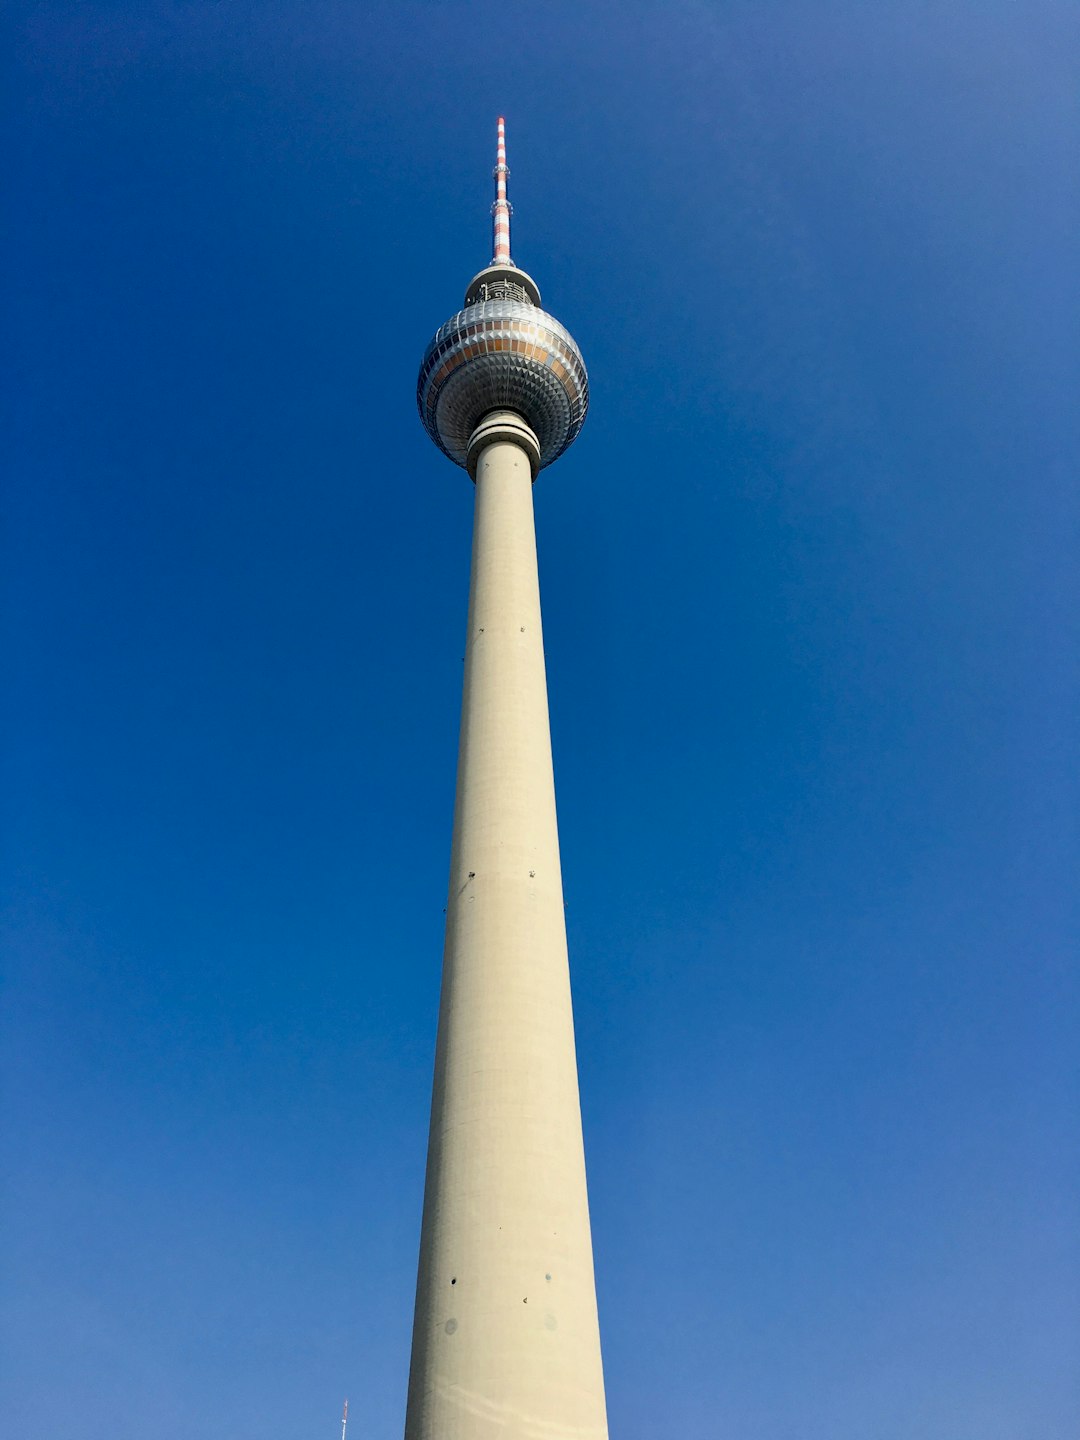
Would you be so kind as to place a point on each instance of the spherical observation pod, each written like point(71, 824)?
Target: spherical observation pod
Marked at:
point(502, 352)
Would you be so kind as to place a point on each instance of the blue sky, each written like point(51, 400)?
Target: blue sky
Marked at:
point(811, 615)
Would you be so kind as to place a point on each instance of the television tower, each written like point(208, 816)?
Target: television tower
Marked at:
point(506, 1344)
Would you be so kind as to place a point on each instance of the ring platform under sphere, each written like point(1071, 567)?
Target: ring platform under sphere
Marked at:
point(502, 354)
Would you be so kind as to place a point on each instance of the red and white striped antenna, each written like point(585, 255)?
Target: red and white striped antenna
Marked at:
point(501, 211)
point(344, 1419)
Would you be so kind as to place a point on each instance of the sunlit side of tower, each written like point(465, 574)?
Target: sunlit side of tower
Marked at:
point(506, 1344)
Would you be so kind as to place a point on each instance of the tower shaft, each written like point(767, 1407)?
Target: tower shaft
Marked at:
point(506, 1342)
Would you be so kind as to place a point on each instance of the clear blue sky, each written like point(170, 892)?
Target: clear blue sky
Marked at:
point(811, 615)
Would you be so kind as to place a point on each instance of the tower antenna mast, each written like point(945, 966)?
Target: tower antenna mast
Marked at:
point(501, 209)
point(344, 1419)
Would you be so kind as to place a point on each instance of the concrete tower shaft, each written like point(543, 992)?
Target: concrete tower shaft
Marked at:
point(506, 1342)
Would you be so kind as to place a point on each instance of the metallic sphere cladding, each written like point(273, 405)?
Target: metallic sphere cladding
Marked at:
point(502, 353)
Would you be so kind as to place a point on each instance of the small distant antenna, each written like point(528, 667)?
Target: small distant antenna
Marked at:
point(344, 1419)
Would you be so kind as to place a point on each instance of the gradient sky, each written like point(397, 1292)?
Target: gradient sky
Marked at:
point(811, 616)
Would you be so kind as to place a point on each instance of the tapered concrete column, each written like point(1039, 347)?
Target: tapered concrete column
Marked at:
point(506, 1344)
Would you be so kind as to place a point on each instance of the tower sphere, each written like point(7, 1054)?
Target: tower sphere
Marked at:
point(502, 352)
